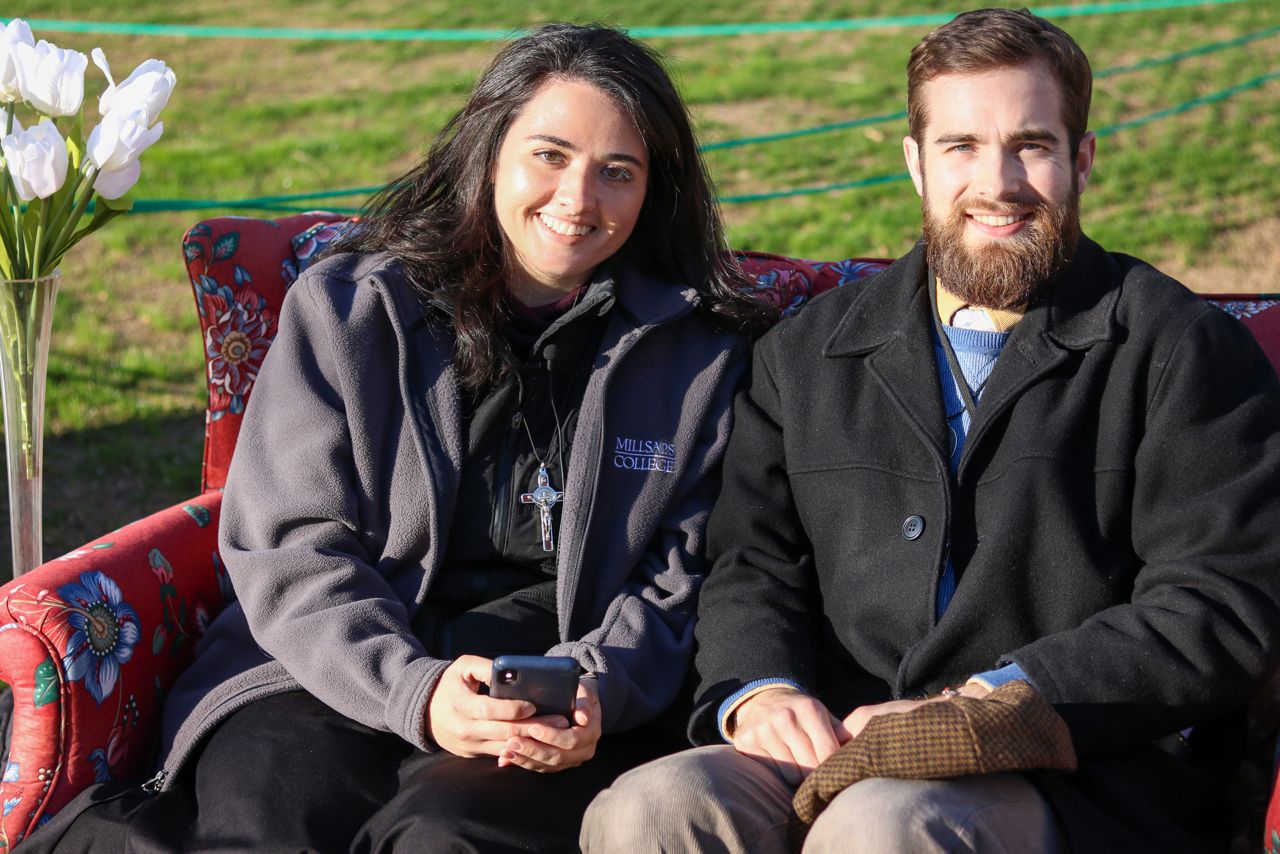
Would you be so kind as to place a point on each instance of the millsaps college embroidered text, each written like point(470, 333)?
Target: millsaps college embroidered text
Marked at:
point(644, 455)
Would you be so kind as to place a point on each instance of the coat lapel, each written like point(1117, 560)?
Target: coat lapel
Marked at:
point(1077, 312)
point(889, 325)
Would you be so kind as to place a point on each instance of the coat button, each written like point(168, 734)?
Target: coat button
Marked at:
point(913, 527)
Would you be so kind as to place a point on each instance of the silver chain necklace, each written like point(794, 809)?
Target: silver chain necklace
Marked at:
point(545, 496)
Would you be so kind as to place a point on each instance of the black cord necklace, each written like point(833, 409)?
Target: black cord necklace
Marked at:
point(968, 401)
point(544, 495)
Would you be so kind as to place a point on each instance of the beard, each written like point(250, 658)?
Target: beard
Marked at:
point(1005, 273)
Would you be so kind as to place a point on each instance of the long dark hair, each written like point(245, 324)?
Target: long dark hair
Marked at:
point(439, 218)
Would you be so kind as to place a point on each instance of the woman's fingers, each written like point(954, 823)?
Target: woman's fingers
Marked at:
point(468, 723)
point(536, 755)
point(547, 744)
point(481, 707)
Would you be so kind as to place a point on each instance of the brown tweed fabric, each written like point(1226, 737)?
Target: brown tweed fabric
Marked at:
point(1011, 729)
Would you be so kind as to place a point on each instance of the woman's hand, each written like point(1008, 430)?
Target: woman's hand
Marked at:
point(546, 747)
point(467, 723)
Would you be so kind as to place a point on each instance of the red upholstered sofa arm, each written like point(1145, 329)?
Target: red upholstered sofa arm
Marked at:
point(89, 644)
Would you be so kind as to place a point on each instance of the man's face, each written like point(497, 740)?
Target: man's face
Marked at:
point(1001, 198)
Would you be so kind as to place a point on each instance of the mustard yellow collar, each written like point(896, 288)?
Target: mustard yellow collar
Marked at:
point(997, 319)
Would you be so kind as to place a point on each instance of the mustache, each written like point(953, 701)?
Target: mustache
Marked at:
point(1001, 207)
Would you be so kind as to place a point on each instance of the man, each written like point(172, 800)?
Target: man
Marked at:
point(1010, 456)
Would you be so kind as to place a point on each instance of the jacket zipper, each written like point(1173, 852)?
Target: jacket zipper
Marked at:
point(156, 783)
point(571, 563)
point(505, 473)
point(502, 496)
point(212, 719)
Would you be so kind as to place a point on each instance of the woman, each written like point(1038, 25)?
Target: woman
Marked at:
point(540, 302)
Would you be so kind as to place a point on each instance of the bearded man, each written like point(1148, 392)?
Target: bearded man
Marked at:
point(1011, 460)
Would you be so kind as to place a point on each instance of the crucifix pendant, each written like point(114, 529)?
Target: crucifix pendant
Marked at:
point(545, 497)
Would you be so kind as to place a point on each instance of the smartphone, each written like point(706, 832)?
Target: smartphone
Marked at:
point(549, 682)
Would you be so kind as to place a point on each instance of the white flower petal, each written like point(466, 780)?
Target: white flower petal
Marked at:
point(15, 33)
point(51, 79)
point(115, 183)
point(37, 160)
point(147, 87)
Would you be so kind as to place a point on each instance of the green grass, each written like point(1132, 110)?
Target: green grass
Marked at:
point(1196, 191)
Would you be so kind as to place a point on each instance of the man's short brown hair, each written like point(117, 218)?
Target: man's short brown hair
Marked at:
point(990, 39)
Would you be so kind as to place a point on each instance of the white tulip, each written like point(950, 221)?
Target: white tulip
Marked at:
point(148, 87)
point(37, 160)
point(114, 148)
point(51, 79)
point(17, 32)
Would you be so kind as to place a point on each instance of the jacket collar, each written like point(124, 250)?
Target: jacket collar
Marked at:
point(1077, 311)
point(891, 324)
point(644, 298)
point(648, 300)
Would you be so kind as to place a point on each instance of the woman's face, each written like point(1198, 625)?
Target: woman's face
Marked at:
point(568, 186)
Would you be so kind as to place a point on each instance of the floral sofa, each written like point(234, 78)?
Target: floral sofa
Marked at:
point(90, 642)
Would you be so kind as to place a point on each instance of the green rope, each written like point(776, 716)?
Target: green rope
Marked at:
point(795, 134)
point(815, 191)
point(1222, 95)
point(689, 31)
point(261, 202)
point(1203, 50)
point(1142, 65)
point(900, 21)
point(285, 203)
point(1215, 97)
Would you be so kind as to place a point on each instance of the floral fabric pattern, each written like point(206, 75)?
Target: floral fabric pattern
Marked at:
point(235, 345)
point(308, 245)
point(240, 269)
point(104, 630)
point(787, 284)
point(1261, 316)
point(1240, 309)
point(86, 693)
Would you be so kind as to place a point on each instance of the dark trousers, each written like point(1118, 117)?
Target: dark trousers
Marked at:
point(288, 774)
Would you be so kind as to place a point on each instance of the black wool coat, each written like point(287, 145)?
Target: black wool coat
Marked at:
point(1115, 522)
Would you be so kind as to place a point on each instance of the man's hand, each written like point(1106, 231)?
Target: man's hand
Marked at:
point(791, 730)
point(467, 723)
point(858, 719)
point(546, 747)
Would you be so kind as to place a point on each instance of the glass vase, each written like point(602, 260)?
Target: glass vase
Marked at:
point(26, 324)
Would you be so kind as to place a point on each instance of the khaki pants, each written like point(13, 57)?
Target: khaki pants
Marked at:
point(714, 799)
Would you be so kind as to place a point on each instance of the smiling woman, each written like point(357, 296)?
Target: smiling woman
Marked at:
point(569, 184)
point(431, 474)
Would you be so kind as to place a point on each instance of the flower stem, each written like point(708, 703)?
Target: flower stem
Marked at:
point(60, 244)
point(13, 223)
point(36, 257)
point(6, 237)
point(68, 194)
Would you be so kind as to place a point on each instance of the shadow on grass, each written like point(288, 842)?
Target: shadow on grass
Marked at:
point(99, 479)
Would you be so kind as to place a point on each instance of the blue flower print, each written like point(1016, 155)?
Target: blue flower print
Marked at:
point(104, 632)
point(849, 269)
point(101, 772)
